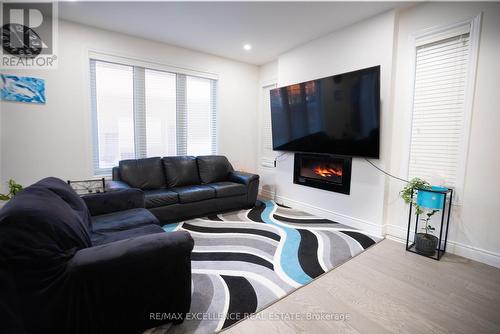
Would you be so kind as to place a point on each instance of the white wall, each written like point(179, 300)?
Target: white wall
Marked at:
point(55, 138)
point(361, 45)
point(268, 73)
point(474, 229)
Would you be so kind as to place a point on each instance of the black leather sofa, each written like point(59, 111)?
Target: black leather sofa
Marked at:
point(183, 187)
point(97, 264)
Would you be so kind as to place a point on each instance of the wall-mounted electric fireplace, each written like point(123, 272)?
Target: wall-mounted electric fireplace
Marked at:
point(328, 172)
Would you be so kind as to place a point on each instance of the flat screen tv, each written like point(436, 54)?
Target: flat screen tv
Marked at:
point(336, 115)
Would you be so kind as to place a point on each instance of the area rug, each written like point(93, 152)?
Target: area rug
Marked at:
point(245, 260)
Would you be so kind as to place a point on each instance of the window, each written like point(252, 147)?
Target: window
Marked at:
point(161, 117)
point(267, 153)
point(444, 69)
point(114, 105)
point(143, 112)
point(200, 116)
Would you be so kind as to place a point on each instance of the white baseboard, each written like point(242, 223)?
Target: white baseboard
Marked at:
point(398, 233)
point(366, 226)
point(393, 232)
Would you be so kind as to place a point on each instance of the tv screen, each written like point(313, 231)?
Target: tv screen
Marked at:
point(337, 115)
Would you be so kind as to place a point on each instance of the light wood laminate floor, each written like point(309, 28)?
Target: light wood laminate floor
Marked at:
point(388, 290)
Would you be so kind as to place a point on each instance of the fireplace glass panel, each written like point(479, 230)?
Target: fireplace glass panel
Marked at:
point(321, 170)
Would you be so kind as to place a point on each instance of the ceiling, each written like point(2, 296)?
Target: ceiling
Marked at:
point(222, 28)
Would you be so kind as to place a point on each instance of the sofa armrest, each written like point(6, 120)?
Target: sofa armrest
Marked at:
point(115, 174)
point(132, 254)
point(242, 177)
point(116, 185)
point(251, 181)
point(134, 278)
point(112, 201)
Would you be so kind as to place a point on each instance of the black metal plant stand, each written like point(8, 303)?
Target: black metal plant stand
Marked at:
point(445, 212)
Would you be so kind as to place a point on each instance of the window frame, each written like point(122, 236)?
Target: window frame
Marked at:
point(438, 33)
point(266, 157)
point(144, 64)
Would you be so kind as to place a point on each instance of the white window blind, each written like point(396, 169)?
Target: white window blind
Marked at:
point(112, 98)
point(439, 108)
point(267, 155)
point(160, 92)
point(140, 112)
point(200, 106)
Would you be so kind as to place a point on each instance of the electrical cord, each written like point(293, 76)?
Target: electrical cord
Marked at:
point(386, 173)
point(278, 158)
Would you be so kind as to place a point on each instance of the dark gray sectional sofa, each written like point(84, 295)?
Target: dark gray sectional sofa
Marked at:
point(182, 187)
point(99, 263)
point(102, 263)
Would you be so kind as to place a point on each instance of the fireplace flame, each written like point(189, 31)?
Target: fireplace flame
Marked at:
point(327, 172)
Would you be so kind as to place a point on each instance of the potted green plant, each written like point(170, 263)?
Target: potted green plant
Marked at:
point(425, 243)
point(14, 188)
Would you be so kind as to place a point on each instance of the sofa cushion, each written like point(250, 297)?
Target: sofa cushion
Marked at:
point(122, 220)
point(181, 171)
point(116, 200)
point(105, 236)
point(227, 189)
point(195, 193)
point(213, 168)
point(143, 173)
point(160, 197)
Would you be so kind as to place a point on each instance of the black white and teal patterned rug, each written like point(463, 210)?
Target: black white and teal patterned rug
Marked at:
point(243, 261)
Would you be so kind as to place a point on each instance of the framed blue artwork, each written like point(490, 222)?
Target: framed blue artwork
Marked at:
point(22, 89)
